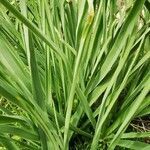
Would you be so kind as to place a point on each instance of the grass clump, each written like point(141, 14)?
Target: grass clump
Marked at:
point(76, 74)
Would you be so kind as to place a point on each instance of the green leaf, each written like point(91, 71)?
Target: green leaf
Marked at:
point(134, 145)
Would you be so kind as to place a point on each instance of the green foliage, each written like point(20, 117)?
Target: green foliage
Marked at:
point(73, 74)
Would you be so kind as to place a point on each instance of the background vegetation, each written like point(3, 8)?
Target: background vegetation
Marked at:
point(74, 74)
